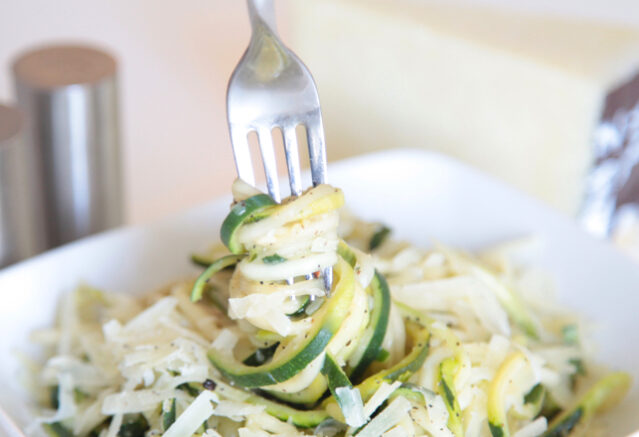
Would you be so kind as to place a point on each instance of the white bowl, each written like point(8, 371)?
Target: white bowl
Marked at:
point(422, 196)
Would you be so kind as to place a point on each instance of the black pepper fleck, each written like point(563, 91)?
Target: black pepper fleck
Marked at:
point(209, 384)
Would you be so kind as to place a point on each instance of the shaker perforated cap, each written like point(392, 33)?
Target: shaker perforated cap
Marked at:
point(63, 65)
point(10, 122)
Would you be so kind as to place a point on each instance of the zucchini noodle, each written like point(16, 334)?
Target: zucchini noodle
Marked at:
point(407, 342)
point(291, 242)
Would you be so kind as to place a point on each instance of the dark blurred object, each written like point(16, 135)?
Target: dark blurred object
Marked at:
point(21, 225)
point(68, 94)
point(612, 188)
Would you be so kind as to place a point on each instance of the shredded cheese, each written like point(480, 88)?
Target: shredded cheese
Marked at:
point(378, 398)
point(388, 418)
point(193, 417)
point(352, 406)
point(236, 411)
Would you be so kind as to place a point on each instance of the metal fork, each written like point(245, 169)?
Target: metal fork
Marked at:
point(271, 88)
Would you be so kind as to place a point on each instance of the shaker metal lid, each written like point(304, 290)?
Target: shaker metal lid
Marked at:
point(10, 122)
point(62, 65)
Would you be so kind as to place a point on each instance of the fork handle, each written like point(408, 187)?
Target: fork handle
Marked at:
point(262, 12)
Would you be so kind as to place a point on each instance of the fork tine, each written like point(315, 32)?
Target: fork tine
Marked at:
point(317, 154)
point(316, 147)
point(265, 138)
point(327, 276)
point(292, 160)
point(293, 164)
point(242, 154)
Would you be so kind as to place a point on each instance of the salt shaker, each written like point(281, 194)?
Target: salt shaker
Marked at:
point(22, 232)
point(68, 94)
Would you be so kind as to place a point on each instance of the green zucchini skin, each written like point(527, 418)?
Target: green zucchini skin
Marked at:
point(286, 413)
point(273, 259)
point(201, 260)
point(334, 375)
point(299, 418)
point(412, 362)
point(376, 329)
point(346, 253)
point(411, 392)
point(134, 426)
point(565, 426)
point(54, 393)
point(192, 388)
point(447, 371)
point(301, 311)
point(247, 211)
point(286, 365)
point(535, 398)
point(95, 432)
point(496, 430)
point(200, 283)
point(602, 395)
point(401, 371)
point(306, 398)
point(168, 417)
point(379, 237)
point(261, 355)
point(276, 371)
point(549, 408)
point(56, 429)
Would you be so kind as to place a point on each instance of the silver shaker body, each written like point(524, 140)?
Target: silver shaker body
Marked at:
point(22, 231)
point(69, 97)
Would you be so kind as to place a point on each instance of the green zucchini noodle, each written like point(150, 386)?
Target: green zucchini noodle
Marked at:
point(407, 342)
point(283, 247)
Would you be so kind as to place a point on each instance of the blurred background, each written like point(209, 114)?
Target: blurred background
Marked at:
point(539, 93)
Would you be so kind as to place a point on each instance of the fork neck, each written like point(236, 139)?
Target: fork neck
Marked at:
point(262, 13)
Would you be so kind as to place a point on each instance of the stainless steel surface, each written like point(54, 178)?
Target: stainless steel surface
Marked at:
point(69, 97)
point(271, 88)
point(21, 225)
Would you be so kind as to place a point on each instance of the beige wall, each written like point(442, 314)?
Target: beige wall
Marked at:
point(175, 60)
